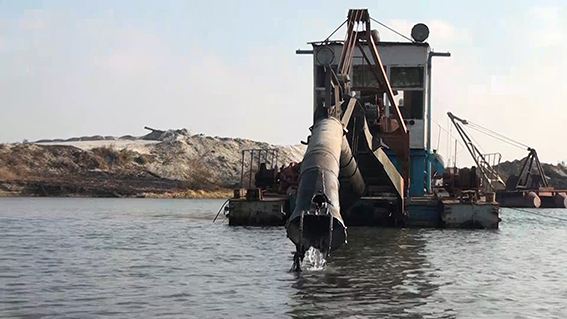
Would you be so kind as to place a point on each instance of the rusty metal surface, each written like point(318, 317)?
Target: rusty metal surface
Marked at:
point(318, 191)
point(252, 161)
point(518, 199)
point(470, 215)
point(526, 180)
point(391, 171)
point(399, 139)
point(352, 185)
point(256, 213)
point(347, 113)
point(316, 220)
point(493, 181)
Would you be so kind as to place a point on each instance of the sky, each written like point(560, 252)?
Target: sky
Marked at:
point(229, 68)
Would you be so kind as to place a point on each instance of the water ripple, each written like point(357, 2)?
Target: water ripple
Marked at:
point(69, 258)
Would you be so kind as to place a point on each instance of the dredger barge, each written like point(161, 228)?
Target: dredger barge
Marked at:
point(369, 160)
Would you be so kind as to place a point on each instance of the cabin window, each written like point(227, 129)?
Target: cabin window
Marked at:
point(320, 77)
point(408, 82)
point(406, 77)
point(362, 75)
point(410, 104)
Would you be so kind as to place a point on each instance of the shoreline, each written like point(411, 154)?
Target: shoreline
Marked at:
point(192, 194)
point(186, 194)
point(109, 187)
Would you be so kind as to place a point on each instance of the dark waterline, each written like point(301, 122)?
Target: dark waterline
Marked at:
point(145, 258)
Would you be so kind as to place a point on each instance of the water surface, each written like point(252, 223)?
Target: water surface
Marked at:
point(144, 258)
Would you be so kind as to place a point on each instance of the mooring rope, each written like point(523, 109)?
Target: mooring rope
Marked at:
point(538, 214)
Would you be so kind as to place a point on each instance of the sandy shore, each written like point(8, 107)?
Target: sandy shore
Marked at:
point(187, 194)
point(218, 194)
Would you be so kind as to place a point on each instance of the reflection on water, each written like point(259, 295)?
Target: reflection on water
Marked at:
point(140, 258)
point(381, 272)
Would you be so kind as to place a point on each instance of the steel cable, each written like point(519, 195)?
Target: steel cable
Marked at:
point(538, 214)
point(496, 135)
point(387, 27)
point(476, 143)
point(337, 29)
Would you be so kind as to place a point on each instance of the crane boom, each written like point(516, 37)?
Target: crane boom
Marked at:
point(397, 140)
point(488, 173)
point(330, 180)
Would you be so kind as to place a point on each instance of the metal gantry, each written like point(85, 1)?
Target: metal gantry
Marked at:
point(525, 172)
point(490, 176)
point(359, 35)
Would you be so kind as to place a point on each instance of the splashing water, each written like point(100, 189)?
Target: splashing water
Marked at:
point(315, 258)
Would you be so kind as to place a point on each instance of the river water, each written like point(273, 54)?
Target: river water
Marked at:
point(144, 258)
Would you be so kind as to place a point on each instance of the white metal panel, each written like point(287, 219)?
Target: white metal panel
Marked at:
point(417, 134)
point(390, 54)
point(403, 54)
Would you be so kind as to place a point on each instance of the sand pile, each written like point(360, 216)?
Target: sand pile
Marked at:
point(161, 161)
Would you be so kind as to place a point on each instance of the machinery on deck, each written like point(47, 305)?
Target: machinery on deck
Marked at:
point(490, 177)
point(369, 160)
point(529, 188)
point(331, 180)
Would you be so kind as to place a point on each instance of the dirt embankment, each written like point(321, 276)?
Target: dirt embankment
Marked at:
point(176, 164)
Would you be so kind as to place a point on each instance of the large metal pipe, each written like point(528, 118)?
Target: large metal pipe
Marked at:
point(352, 185)
point(316, 220)
point(560, 200)
point(518, 199)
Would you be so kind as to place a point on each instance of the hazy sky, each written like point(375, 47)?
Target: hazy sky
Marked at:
point(228, 68)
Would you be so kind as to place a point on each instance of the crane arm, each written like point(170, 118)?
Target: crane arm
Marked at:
point(488, 173)
point(398, 140)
